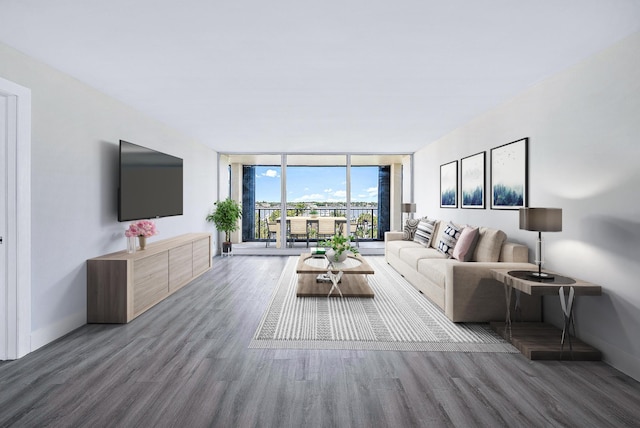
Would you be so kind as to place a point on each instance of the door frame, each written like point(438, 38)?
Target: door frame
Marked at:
point(16, 315)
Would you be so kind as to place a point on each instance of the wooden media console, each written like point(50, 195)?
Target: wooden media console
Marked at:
point(121, 286)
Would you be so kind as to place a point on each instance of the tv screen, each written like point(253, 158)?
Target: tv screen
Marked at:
point(150, 183)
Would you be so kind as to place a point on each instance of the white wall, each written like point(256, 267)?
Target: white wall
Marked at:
point(75, 136)
point(396, 194)
point(584, 157)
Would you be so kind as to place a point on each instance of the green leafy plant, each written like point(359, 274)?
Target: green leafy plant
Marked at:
point(339, 244)
point(225, 216)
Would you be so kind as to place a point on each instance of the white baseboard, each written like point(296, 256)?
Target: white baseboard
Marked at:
point(52, 332)
point(617, 358)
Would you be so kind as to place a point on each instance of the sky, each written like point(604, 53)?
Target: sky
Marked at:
point(317, 184)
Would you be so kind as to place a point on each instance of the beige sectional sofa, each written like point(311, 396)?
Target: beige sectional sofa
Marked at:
point(465, 290)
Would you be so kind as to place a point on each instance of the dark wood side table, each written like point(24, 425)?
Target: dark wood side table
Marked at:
point(540, 340)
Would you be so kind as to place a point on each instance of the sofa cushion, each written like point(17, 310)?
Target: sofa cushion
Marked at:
point(449, 238)
point(489, 244)
point(424, 233)
point(435, 270)
point(394, 247)
point(411, 256)
point(463, 250)
point(409, 229)
point(514, 253)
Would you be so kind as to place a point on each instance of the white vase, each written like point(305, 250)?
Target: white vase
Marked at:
point(332, 257)
point(132, 243)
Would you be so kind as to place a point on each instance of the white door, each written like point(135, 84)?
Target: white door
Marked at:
point(3, 228)
point(15, 220)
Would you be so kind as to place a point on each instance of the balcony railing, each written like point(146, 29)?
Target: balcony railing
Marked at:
point(366, 219)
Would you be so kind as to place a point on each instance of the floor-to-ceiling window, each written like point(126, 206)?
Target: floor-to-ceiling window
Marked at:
point(261, 196)
point(365, 201)
point(317, 183)
point(364, 190)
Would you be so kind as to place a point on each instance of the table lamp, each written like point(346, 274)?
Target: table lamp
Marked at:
point(541, 220)
point(409, 208)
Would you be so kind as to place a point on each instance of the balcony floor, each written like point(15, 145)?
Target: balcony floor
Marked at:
point(369, 248)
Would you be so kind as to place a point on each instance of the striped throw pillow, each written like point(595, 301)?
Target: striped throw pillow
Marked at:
point(424, 232)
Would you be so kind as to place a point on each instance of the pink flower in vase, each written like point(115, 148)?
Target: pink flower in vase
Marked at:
point(145, 228)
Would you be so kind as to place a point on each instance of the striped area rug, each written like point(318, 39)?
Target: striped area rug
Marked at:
point(398, 318)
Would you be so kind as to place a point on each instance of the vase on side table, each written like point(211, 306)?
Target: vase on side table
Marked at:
point(143, 242)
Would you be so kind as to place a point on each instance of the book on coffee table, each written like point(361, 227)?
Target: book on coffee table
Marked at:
point(324, 277)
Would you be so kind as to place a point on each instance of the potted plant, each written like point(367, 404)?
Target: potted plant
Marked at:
point(313, 213)
point(225, 216)
point(339, 247)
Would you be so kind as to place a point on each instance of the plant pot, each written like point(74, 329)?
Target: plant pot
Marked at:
point(332, 257)
point(226, 247)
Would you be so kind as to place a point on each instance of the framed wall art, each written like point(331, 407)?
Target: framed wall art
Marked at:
point(509, 176)
point(449, 185)
point(472, 181)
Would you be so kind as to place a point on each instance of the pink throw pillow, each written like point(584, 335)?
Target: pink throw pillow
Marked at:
point(463, 250)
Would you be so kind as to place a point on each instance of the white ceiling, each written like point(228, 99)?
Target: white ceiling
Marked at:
point(329, 75)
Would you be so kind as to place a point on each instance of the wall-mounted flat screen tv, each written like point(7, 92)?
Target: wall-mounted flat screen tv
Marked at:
point(150, 183)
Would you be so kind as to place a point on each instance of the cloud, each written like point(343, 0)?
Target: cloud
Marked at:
point(372, 192)
point(271, 173)
point(312, 197)
point(340, 193)
point(328, 190)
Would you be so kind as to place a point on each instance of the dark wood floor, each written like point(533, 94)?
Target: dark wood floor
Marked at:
point(186, 363)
